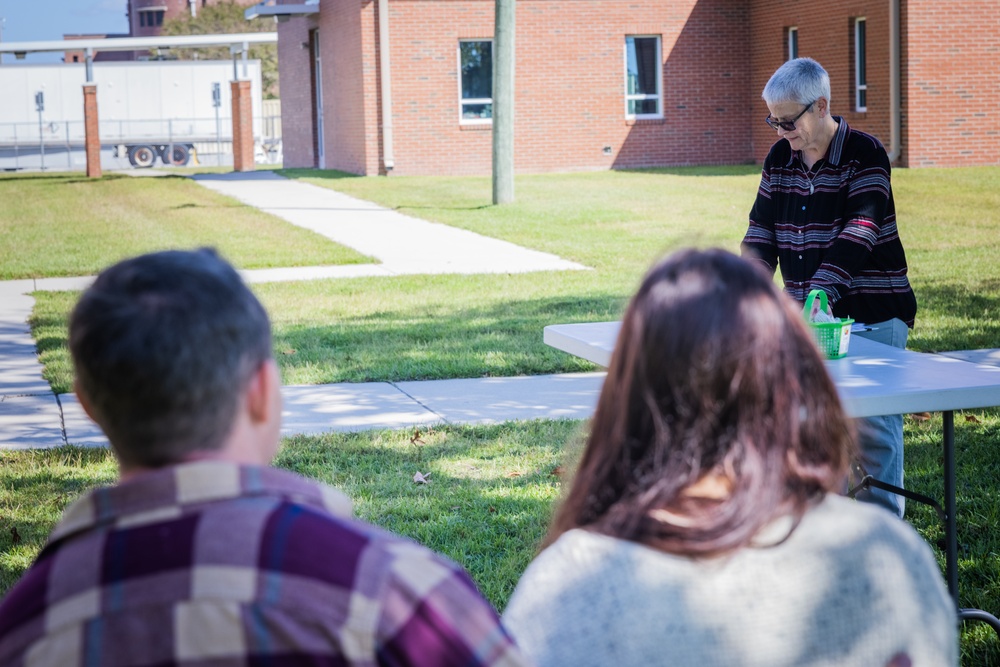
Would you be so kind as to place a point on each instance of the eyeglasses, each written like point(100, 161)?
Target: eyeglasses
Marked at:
point(787, 125)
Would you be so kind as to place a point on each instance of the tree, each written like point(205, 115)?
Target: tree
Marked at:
point(227, 17)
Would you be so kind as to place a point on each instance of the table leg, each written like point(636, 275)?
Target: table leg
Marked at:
point(950, 521)
point(951, 528)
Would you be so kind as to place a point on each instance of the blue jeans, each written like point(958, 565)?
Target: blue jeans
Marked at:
point(881, 438)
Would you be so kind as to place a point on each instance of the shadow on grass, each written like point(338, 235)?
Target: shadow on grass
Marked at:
point(412, 207)
point(66, 178)
point(496, 340)
point(977, 512)
point(488, 501)
point(322, 174)
point(953, 317)
point(721, 170)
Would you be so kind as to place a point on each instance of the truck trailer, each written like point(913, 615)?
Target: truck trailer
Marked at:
point(147, 110)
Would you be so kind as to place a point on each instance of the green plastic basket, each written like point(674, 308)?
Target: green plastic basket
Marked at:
point(833, 338)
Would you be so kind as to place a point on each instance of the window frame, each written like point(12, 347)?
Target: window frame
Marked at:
point(659, 81)
point(151, 17)
point(792, 42)
point(860, 64)
point(462, 101)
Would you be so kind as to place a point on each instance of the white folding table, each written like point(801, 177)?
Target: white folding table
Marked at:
point(873, 379)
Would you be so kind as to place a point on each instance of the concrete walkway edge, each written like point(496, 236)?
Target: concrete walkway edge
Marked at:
point(32, 416)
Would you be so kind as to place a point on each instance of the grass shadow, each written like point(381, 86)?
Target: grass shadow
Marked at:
point(322, 174)
point(720, 170)
point(953, 316)
point(438, 342)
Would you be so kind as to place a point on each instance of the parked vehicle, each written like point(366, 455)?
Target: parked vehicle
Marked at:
point(147, 110)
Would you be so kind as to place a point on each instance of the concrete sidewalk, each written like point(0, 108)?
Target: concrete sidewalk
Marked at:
point(403, 245)
point(43, 420)
point(32, 416)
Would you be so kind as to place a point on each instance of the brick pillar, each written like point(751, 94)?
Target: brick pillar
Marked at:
point(92, 140)
point(242, 126)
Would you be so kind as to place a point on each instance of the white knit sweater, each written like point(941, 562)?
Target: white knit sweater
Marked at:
point(853, 586)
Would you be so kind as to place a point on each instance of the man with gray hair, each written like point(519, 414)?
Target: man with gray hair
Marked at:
point(202, 554)
point(825, 216)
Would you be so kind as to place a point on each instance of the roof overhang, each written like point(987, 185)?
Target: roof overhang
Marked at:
point(237, 40)
point(281, 12)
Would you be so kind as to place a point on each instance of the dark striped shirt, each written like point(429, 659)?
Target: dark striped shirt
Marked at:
point(834, 228)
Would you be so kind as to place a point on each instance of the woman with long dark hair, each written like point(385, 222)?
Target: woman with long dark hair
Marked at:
point(703, 525)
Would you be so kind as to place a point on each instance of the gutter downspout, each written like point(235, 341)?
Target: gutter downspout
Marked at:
point(895, 74)
point(388, 161)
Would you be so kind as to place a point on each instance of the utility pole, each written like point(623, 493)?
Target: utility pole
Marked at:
point(503, 102)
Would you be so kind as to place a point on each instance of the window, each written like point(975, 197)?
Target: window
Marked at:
point(149, 18)
point(475, 60)
point(793, 43)
point(642, 77)
point(860, 67)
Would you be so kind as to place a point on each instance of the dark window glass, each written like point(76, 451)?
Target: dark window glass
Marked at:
point(477, 69)
point(642, 76)
point(642, 65)
point(643, 107)
point(860, 65)
point(477, 80)
point(862, 57)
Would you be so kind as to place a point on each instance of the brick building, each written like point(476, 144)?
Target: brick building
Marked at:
point(146, 17)
point(605, 84)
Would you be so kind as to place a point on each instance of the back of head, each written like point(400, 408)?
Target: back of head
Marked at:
point(801, 80)
point(162, 345)
point(714, 377)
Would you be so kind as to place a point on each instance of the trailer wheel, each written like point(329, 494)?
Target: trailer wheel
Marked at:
point(141, 156)
point(181, 155)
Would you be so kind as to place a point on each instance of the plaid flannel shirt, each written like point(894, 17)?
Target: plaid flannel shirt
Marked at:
point(211, 564)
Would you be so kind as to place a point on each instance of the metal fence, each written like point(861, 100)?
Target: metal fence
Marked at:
point(58, 144)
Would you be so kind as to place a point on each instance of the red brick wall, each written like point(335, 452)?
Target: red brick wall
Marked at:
point(243, 159)
point(951, 84)
point(569, 84)
point(425, 87)
point(92, 138)
point(826, 33)
point(297, 105)
point(348, 75)
point(569, 81)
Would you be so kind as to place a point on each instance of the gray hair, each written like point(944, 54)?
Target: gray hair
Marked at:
point(802, 80)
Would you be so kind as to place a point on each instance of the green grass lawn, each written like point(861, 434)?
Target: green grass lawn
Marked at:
point(492, 490)
point(420, 327)
point(68, 225)
point(618, 223)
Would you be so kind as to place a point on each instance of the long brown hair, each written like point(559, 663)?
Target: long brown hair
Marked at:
point(714, 373)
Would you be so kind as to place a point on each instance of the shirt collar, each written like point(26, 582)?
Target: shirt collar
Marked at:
point(836, 149)
point(170, 491)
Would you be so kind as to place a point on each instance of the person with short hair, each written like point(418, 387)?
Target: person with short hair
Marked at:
point(702, 525)
point(825, 216)
point(202, 554)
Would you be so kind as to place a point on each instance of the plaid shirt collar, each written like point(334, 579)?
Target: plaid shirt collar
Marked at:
point(836, 149)
point(173, 490)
